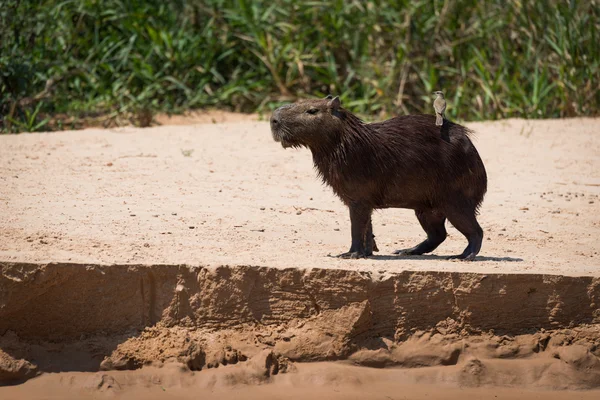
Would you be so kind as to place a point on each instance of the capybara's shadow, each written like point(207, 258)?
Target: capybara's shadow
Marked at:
point(439, 258)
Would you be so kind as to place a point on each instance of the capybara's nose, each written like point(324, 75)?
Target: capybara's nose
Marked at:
point(275, 118)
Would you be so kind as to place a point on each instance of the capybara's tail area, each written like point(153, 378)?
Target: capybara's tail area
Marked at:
point(473, 177)
point(481, 182)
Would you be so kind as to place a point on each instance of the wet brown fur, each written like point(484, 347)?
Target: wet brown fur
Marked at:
point(404, 162)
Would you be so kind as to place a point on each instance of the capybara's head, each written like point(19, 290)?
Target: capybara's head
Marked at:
point(309, 123)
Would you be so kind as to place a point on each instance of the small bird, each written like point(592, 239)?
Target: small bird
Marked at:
point(439, 105)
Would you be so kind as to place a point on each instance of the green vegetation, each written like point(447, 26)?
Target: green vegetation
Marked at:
point(71, 59)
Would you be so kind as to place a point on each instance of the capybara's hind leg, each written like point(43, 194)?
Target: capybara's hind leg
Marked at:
point(432, 222)
point(466, 223)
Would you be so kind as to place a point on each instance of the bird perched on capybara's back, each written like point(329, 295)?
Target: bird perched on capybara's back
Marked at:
point(403, 162)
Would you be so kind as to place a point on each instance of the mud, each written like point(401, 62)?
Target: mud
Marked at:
point(491, 327)
point(64, 301)
point(327, 381)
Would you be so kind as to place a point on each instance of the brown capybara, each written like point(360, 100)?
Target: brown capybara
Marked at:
point(403, 162)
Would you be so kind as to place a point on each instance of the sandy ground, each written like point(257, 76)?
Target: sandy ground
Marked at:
point(226, 193)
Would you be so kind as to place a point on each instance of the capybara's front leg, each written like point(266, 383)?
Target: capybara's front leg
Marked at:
point(359, 220)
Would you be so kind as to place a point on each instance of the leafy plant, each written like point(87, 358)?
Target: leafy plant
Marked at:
point(127, 60)
point(30, 121)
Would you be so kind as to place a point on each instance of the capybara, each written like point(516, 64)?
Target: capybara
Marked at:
point(403, 162)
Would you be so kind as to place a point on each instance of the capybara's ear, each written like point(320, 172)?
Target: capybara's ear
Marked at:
point(334, 103)
point(329, 97)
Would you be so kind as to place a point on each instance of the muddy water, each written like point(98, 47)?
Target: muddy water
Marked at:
point(328, 381)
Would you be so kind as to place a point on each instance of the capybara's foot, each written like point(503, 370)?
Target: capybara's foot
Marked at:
point(463, 257)
point(352, 255)
point(408, 252)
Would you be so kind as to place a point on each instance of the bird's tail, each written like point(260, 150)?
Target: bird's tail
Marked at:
point(439, 120)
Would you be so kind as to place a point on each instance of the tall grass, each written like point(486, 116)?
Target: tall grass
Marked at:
point(494, 59)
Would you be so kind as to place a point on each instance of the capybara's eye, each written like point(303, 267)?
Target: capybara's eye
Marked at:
point(313, 111)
